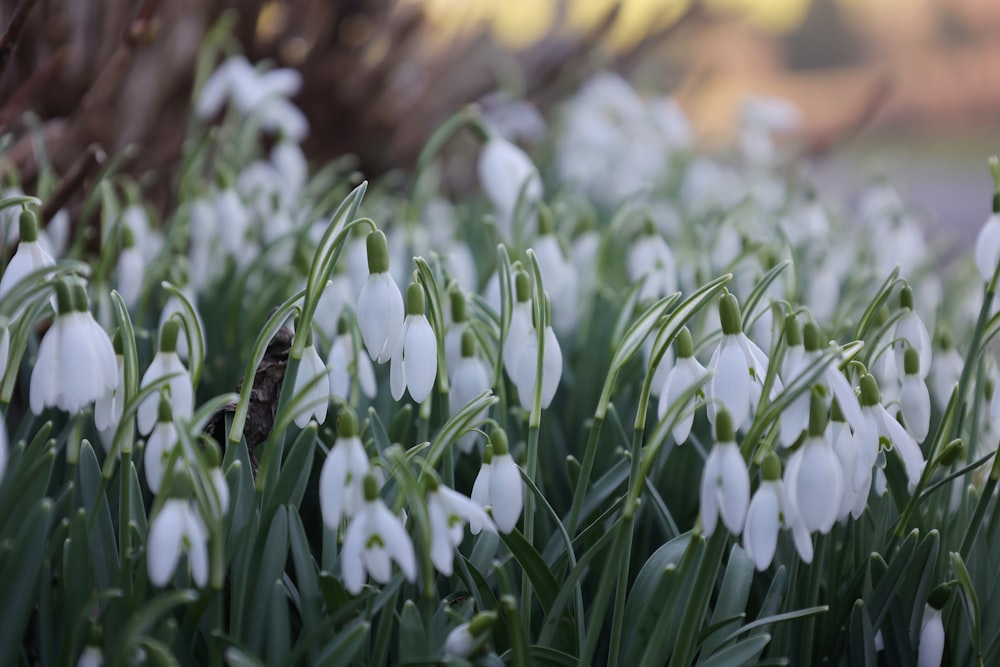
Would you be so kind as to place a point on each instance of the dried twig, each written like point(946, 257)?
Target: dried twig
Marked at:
point(84, 166)
point(8, 42)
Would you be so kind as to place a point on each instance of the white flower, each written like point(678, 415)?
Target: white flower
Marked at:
point(471, 378)
point(915, 400)
point(946, 369)
point(878, 423)
point(177, 527)
point(687, 371)
point(500, 488)
point(380, 305)
point(725, 482)
point(312, 388)
point(814, 478)
point(343, 366)
point(520, 324)
point(931, 648)
point(558, 276)
point(988, 247)
point(247, 89)
point(91, 657)
point(449, 511)
point(166, 363)
point(651, 261)
point(738, 369)
point(504, 170)
point(527, 368)
point(414, 362)
point(911, 332)
point(375, 537)
point(173, 309)
point(161, 442)
point(131, 267)
point(467, 638)
point(845, 444)
point(29, 257)
point(76, 362)
point(343, 473)
point(770, 510)
point(232, 221)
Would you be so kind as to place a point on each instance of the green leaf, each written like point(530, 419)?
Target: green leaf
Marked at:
point(279, 639)
point(759, 290)
point(270, 568)
point(141, 621)
point(889, 583)
point(459, 423)
point(861, 649)
point(413, 636)
point(345, 646)
point(310, 595)
point(733, 596)
point(158, 653)
point(970, 600)
point(697, 603)
point(294, 475)
point(534, 566)
point(778, 618)
point(20, 575)
point(192, 330)
point(741, 653)
point(104, 547)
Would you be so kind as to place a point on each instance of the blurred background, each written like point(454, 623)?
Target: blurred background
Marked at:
point(905, 88)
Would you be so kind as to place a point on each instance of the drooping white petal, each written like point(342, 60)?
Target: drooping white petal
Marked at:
point(730, 383)
point(903, 443)
point(352, 568)
point(916, 405)
point(161, 442)
point(931, 648)
point(733, 497)
point(442, 547)
point(420, 358)
point(988, 247)
point(397, 543)
point(312, 387)
point(506, 492)
point(380, 316)
point(163, 547)
point(685, 373)
point(711, 479)
point(197, 547)
point(44, 387)
point(552, 363)
point(818, 485)
point(518, 335)
point(911, 332)
point(760, 536)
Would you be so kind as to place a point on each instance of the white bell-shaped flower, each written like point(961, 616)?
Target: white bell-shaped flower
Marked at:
point(915, 399)
point(930, 651)
point(160, 444)
point(651, 261)
point(380, 304)
point(527, 366)
point(91, 656)
point(687, 371)
point(467, 638)
point(29, 257)
point(166, 364)
point(131, 267)
point(448, 512)
point(520, 324)
point(109, 407)
point(794, 418)
point(504, 172)
point(375, 537)
point(312, 388)
point(76, 361)
point(663, 368)
point(946, 370)
point(880, 424)
point(988, 243)
point(233, 221)
point(770, 510)
point(453, 338)
point(414, 362)
point(558, 274)
point(341, 479)
point(177, 528)
point(501, 489)
point(738, 369)
point(911, 332)
point(845, 444)
point(173, 309)
point(344, 366)
point(471, 378)
point(725, 482)
point(814, 478)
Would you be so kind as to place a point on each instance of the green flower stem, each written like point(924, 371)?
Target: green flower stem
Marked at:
point(466, 117)
point(586, 469)
point(124, 519)
point(529, 519)
point(599, 605)
point(979, 514)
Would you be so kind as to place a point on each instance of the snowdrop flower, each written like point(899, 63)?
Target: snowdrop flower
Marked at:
point(878, 423)
point(343, 366)
point(738, 369)
point(520, 323)
point(467, 638)
point(161, 442)
point(76, 362)
point(130, 269)
point(375, 537)
point(761, 117)
point(471, 378)
point(988, 240)
point(448, 512)
point(946, 369)
point(499, 487)
point(662, 369)
point(177, 527)
point(527, 366)
point(845, 444)
point(915, 399)
point(414, 363)
point(109, 406)
point(237, 81)
point(91, 656)
point(166, 363)
point(725, 482)
point(832, 379)
point(29, 257)
point(505, 171)
point(312, 387)
point(794, 418)
point(232, 222)
point(453, 339)
point(204, 266)
point(911, 332)
point(687, 371)
point(343, 473)
point(380, 304)
point(814, 478)
point(930, 651)
point(769, 511)
point(558, 274)
point(173, 309)
point(335, 297)
point(651, 261)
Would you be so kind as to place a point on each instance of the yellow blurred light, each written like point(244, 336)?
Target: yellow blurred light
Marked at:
point(772, 15)
point(521, 23)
